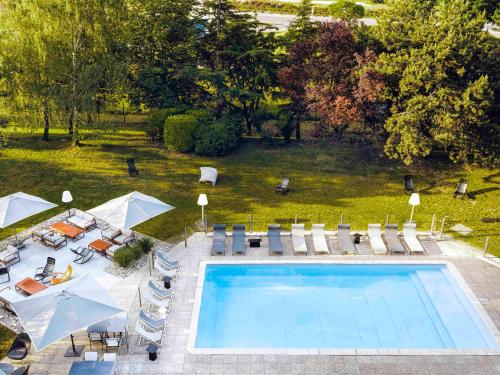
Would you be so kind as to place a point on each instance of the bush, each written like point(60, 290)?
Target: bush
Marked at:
point(204, 117)
point(285, 123)
point(218, 138)
point(179, 132)
point(156, 121)
point(269, 132)
point(346, 9)
point(145, 244)
point(127, 255)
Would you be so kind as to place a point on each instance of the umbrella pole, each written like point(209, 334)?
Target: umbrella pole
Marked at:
point(74, 350)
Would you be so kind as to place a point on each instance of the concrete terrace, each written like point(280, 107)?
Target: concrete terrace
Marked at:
point(174, 357)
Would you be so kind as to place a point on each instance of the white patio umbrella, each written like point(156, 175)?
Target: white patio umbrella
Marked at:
point(64, 309)
point(130, 210)
point(19, 206)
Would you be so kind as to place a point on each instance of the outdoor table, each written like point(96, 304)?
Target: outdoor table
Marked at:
point(91, 368)
point(254, 242)
point(68, 230)
point(152, 350)
point(30, 286)
point(100, 245)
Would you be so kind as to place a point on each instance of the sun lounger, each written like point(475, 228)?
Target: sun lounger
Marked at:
point(208, 174)
point(298, 239)
point(283, 186)
point(274, 237)
point(461, 189)
point(83, 254)
point(319, 239)
point(62, 277)
point(375, 237)
point(8, 297)
point(46, 271)
point(394, 245)
point(345, 240)
point(408, 183)
point(148, 334)
point(411, 240)
point(20, 347)
point(219, 239)
point(164, 270)
point(151, 321)
point(132, 169)
point(238, 246)
point(171, 263)
point(9, 256)
point(156, 300)
point(161, 292)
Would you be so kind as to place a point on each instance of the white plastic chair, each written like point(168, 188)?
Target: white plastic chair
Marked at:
point(208, 174)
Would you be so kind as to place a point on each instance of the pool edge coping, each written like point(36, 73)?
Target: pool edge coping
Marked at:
point(476, 305)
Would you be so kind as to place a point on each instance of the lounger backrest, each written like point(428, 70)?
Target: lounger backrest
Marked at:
point(220, 228)
point(284, 183)
point(462, 186)
point(298, 230)
point(318, 230)
point(239, 230)
point(49, 266)
point(273, 230)
point(374, 230)
point(410, 230)
point(344, 230)
point(408, 182)
point(391, 230)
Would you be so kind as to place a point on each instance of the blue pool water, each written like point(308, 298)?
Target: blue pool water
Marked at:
point(337, 306)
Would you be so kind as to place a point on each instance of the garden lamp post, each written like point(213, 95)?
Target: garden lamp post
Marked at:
point(203, 201)
point(414, 201)
point(67, 198)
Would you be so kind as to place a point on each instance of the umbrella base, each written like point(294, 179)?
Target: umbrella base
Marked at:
point(74, 353)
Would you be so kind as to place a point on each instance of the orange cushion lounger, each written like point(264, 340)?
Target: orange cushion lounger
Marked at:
point(64, 276)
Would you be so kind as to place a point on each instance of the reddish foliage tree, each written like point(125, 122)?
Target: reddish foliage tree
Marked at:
point(328, 74)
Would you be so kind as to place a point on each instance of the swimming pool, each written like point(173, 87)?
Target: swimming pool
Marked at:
point(337, 306)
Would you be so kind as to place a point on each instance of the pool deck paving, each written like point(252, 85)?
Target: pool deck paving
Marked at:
point(482, 277)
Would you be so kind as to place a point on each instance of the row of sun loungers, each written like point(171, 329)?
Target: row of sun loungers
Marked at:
point(390, 242)
point(149, 326)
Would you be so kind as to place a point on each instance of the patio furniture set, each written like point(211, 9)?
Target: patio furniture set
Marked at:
point(389, 242)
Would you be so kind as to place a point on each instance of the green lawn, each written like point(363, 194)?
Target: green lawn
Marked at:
point(326, 181)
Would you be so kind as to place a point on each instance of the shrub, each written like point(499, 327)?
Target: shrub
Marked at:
point(269, 132)
point(127, 255)
point(204, 117)
point(179, 132)
point(346, 9)
point(218, 138)
point(156, 121)
point(285, 123)
point(145, 244)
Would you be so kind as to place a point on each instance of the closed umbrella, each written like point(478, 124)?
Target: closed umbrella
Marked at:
point(19, 206)
point(64, 309)
point(130, 210)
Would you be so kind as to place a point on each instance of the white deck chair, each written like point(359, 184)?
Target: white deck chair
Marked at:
point(208, 174)
point(147, 334)
point(164, 269)
point(376, 242)
point(157, 300)
point(411, 240)
point(90, 356)
point(298, 240)
point(319, 240)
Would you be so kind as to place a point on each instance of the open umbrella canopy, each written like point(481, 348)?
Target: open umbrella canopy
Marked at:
point(61, 310)
point(130, 210)
point(19, 206)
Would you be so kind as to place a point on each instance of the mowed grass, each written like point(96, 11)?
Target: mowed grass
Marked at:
point(326, 181)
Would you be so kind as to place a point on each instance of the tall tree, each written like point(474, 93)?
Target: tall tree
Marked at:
point(443, 81)
point(238, 59)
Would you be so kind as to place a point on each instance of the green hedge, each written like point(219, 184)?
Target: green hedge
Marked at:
point(179, 132)
point(156, 121)
point(218, 138)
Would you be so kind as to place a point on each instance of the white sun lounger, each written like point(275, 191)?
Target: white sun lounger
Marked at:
point(394, 245)
point(157, 300)
point(298, 239)
point(376, 242)
point(411, 240)
point(164, 270)
point(148, 334)
point(345, 240)
point(319, 240)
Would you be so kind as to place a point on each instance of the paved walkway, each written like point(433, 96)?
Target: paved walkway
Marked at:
point(174, 358)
